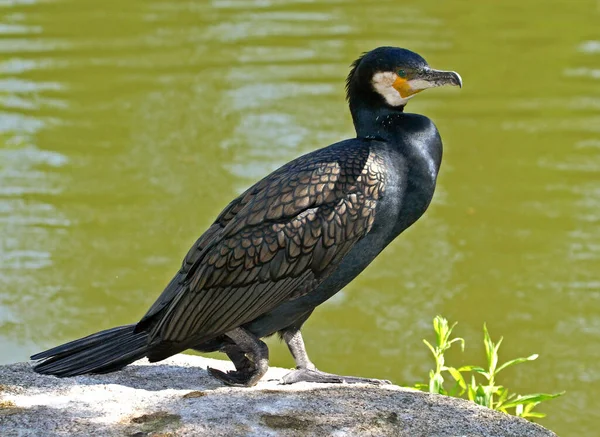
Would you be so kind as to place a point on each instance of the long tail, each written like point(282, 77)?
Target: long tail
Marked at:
point(102, 352)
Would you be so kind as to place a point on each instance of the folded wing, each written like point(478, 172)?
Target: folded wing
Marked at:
point(275, 242)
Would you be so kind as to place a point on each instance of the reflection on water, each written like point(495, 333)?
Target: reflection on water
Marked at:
point(126, 126)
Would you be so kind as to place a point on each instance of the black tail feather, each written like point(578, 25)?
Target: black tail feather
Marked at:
point(103, 352)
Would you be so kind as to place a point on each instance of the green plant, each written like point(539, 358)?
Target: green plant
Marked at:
point(488, 393)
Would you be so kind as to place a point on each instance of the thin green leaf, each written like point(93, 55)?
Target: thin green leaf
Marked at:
point(516, 361)
point(449, 330)
point(499, 343)
point(433, 351)
point(494, 357)
point(532, 398)
point(490, 350)
point(471, 369)
point(483, 372)
point(472, 389)
point(502, 393)
point(534, 414)
point(462, 343)
point(510, 396)
point(457, 377)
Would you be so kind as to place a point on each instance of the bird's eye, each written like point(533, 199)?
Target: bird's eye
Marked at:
point(402, 73)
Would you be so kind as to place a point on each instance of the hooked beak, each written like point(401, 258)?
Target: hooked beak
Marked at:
point(432, 78)
point(428, 78)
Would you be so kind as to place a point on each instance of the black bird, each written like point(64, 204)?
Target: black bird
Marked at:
point(292, 240)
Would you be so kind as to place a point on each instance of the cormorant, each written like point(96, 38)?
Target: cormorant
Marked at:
point(292, 240)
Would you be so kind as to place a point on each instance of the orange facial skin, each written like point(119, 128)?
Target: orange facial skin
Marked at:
point(402, 86)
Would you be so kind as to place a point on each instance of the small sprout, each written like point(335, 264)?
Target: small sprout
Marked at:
point(488, 394)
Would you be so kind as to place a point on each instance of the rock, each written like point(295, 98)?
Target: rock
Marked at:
point(177, 397)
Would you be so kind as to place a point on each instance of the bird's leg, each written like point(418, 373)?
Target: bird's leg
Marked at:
point(250, 357)
point(306, 370)
point(295, 343)
point(238, 358)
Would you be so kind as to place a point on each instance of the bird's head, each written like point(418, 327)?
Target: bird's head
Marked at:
point(392, 76)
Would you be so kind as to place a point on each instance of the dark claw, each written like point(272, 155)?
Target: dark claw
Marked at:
point(232, 378)
point(236, 378)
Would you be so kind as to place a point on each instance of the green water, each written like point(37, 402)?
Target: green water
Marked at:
point(126, 126)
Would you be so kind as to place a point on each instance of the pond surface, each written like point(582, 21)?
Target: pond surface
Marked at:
point(126, 126)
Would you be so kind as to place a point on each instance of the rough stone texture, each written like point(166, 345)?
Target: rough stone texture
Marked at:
point(177, 397)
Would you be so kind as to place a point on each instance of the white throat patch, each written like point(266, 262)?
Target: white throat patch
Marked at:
point(383, 83)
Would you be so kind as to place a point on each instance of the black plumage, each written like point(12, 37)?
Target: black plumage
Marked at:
point(292, 240)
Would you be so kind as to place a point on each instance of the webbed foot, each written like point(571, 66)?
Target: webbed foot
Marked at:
point(308, 375)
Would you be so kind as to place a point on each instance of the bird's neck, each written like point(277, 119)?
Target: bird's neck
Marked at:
point(373, 121)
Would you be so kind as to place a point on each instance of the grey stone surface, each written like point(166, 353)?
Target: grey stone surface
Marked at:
point(177, 397)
